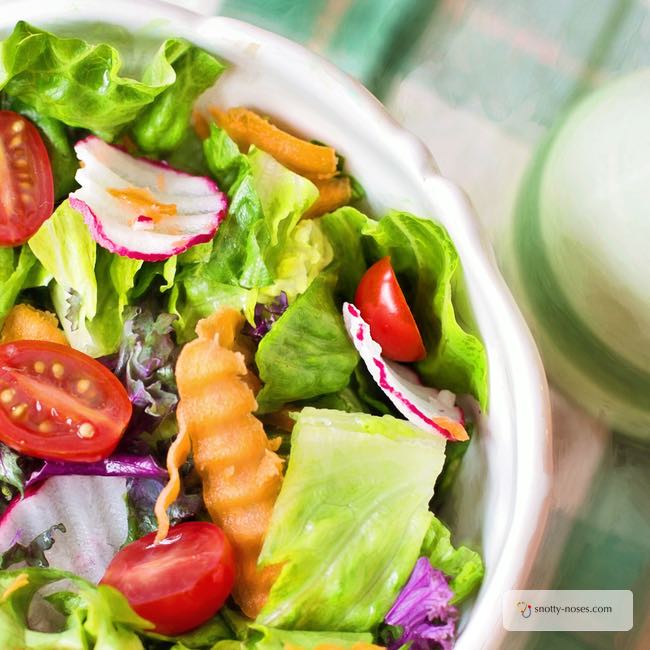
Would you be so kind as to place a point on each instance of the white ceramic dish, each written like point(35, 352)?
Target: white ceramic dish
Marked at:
point(501, 497)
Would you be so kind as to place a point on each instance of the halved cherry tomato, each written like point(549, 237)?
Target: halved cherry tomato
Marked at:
point(58, 403)
point(178, 583)
point(381, 302)
point(27, 189)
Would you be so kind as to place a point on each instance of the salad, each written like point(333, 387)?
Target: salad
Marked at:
point(210, 355)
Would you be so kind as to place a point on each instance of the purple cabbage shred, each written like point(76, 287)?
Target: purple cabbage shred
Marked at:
point(423, 612)
point(124, 465)
point(265, 316)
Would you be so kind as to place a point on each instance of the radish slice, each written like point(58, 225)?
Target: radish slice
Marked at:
point(141, 208)
point(427, 408)
point(93, 511)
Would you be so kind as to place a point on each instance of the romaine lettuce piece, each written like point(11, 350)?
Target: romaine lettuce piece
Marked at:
point(307, 352)
point(463, 565)
point(80, 85)
point(261, 637)
point(349, 522)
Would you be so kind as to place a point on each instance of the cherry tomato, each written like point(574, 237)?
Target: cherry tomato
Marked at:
point(27, 189)
point(178, 583)
point(381, 302)
point(58, 403)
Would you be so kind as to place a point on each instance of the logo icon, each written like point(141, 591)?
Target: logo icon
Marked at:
point(525, 609)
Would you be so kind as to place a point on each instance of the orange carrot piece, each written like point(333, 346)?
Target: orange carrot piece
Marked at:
point(200, 124)
point(241, 474)
point(332, 194)
point(248, 128)
point(24, 322)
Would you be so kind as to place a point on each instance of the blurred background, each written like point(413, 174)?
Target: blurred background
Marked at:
point(537, 109)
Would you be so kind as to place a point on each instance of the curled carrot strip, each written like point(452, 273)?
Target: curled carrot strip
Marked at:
point(332, 194)
point(241, 474)
point(176, 456)
point(247, 128)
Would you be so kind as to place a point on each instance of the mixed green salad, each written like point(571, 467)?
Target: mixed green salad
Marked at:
point(197, 320)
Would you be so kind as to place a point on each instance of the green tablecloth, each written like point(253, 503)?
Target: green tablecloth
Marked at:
point(481, 82)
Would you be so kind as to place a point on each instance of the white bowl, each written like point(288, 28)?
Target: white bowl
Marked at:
point(502, 494)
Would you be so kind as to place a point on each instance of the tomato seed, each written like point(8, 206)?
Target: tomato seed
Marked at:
point(18, 126)
point(83, 385)
point(45, 427)
point(39, 367)
point(18, 411)
point(7, 395)
point(86, 430)
point(16, 141)
point(58, 370)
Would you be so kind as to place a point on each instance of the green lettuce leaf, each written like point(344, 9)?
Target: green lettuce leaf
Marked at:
point(64, 246)
point(163, 125)
point(80, 84)
point(15, 272)
point(307, 351)
point(90, 312)
point(96, 616)
point(429, 271)
point(463, 565)
point(261, 637)
point(350, 519)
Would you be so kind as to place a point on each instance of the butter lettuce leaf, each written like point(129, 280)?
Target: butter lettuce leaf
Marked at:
point(350, 519)
point(307, 352)
point(96, 616)
point(16, 267)
point(81, 84)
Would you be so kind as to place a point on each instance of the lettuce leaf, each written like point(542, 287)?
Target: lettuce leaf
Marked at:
point(463, 565)
point(15, 270)
point(428, 267)
point(90, 312)
point(307, 352)
point(12, 476)
point(349, 521)
point(163, 125)
point(96, 616)
point(80, 84)
point(261, 637)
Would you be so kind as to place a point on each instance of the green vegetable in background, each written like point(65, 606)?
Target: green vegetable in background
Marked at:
point(349, 522)
point(95, 616)
point(463, 565)
point(80, 84)
point(12, 476)
point(307, 352)
point(261, 637)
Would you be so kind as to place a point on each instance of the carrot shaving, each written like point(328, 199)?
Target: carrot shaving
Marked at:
point(20, 581)
point(332, 194)
point(176, 456)
point(200, 124)
point(25, 322)
point(247, 128)
point(241, 474)
point(142, 200)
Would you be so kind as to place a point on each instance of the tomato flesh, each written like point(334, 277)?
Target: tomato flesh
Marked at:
point(58, 403)
point(178, 583)
point(27, 188)
point(383, 306)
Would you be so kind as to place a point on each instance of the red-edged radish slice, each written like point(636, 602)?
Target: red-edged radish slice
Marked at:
point(430, 409)
point(142, 208)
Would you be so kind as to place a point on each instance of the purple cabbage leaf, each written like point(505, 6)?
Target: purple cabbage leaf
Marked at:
point(264, 317)
point(422, 611)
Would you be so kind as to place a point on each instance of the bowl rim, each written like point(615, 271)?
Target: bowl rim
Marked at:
point(530, 390)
